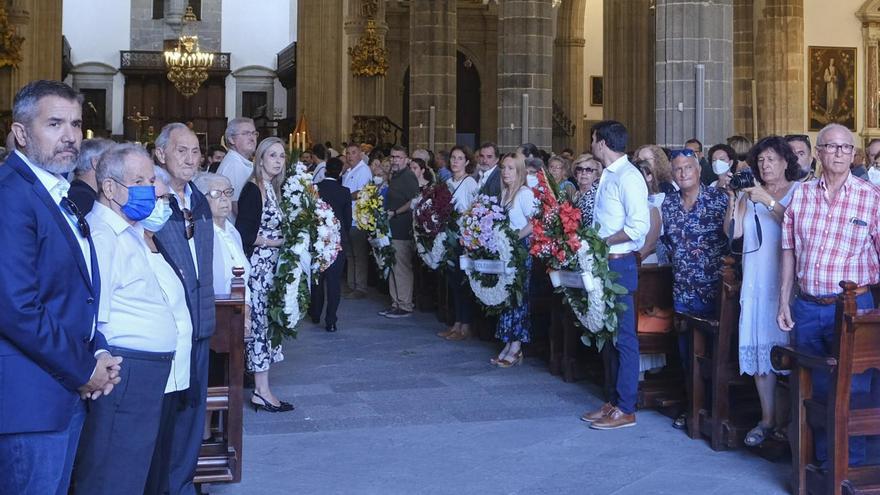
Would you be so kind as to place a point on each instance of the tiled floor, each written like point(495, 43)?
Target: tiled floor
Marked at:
point(386, 407)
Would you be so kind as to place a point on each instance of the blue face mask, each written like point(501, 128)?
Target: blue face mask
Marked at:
point(141, 202)
point(157, 219)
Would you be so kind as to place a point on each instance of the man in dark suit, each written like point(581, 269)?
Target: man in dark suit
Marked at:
point(339, 198)
point(50, 354)
point(84, 187)
point(187, 243)
point(489, 175)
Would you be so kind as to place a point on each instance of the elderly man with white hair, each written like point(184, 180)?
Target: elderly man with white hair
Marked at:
point(830, 233)
point(241, 142)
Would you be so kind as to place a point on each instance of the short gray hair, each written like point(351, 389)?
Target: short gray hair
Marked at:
point(233, 126)
point(111, 165)
point(24, 106)
point(165, 134)
point(205, 180)
point(89, 150)
point(162, 175)
point(820, 138)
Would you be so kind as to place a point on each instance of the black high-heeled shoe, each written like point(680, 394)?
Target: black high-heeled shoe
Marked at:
point(265, 406)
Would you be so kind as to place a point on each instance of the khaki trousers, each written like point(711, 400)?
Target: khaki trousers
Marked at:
point(400, 283)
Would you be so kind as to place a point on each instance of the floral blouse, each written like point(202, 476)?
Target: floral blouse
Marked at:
point(585, 203)
point(695, 242)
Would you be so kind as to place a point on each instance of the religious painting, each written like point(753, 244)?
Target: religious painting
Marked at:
point(832, 80)
point(596, 91)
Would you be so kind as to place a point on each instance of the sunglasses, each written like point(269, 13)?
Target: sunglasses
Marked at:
point(579, 170)
point(682, 152)
point(216, 193)
point(81, 222)
point(190, 224)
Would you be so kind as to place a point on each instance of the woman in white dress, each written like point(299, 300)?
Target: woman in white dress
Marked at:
point(761, 207)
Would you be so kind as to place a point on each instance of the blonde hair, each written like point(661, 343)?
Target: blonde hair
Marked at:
point(519, 162)
point(661, 169)
point(257, 175)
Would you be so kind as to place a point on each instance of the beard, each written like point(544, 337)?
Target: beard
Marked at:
point(51, 162)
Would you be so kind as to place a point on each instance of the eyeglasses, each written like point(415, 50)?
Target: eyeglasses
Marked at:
point(579, 170)
point(216, 193)
point(248, 133)
point(682, 152)
point(846, 149)
point(188, 221)
point(81, 222)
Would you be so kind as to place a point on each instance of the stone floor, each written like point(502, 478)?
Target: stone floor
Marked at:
point(386, 407)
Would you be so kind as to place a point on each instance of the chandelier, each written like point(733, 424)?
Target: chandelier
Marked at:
point(187, 65)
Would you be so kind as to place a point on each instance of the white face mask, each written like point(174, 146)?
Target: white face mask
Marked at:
point(874, 175)
point(531, 180)
point(720, 167)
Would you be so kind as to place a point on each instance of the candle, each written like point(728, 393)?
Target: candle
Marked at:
point(290, 141)
point(89, 134)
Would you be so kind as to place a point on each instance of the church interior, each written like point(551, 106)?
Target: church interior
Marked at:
point(433, 73)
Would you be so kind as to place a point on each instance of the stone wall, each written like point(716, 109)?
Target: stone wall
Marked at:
point(150, 34)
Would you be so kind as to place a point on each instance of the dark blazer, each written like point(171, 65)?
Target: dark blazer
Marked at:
point(82, 195)
point(339, 198)
point(48, 304)
point(250, 213)
point(173, 245)
point(492, 187)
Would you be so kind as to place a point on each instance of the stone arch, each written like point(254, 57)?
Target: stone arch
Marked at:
point(569, 81)
point(98, 76)
point(254, 78)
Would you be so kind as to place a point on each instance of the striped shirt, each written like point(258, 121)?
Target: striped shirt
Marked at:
point(834, 240)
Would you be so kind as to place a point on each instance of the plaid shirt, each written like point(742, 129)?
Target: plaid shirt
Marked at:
point(834, 241)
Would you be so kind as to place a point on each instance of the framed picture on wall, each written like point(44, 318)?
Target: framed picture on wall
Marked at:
point(832, 79)
point(597, 93)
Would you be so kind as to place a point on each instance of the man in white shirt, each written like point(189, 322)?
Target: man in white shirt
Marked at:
point(237, 165)
point(138, 325)
point(621, 210)
point(357, 251)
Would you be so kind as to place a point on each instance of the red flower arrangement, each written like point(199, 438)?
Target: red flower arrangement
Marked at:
point(556, 229)
point(433, 210)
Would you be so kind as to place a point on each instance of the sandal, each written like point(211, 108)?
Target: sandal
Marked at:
point(757, 435)
point(680, 422)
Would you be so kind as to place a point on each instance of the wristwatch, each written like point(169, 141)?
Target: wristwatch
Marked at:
point(771, 205)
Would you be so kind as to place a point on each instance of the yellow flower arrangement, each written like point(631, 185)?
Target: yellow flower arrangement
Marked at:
point(368, 208)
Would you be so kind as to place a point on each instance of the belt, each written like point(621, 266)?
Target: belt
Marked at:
point(825, 301)
point(617, 256)
point(144, 355)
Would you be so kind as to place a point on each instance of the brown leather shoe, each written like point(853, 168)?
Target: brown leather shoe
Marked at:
point(614, 420)
point(598, 414)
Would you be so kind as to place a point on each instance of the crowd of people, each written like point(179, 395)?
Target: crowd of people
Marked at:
point(107, 292)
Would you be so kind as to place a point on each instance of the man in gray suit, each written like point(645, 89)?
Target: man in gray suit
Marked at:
point(489, 175)
point(187, 243)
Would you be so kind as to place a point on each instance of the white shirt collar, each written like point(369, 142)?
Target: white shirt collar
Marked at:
point(115, 221)
point(187, 194)
point(56, 185)
point(618, 163)
point(238, 156)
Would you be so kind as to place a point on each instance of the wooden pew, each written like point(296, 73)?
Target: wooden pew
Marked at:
point(731, 412)
point(666, 388)
point(221, 456)
point(855, 349)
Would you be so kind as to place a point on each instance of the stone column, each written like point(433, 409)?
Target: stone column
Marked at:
point(569, 87)
point(871, 44)
point(743, 66)
point(432, 62)
point(691, 33)
point(321, 68)
point(525, 66)
point(366, 95)
point(779, 66)
point(628, 67)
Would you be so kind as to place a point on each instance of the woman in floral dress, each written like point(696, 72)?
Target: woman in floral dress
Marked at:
point(514, 326)
point(259, 223)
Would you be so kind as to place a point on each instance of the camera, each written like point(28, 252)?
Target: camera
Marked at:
point(742, 180)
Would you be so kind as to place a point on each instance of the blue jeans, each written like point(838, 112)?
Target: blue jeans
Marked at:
point(40, 463)
point(814, 332)
point(627, 346)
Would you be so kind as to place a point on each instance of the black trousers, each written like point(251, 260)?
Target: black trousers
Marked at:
point(328, 281)
point(120, 431)
point(176, 457)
